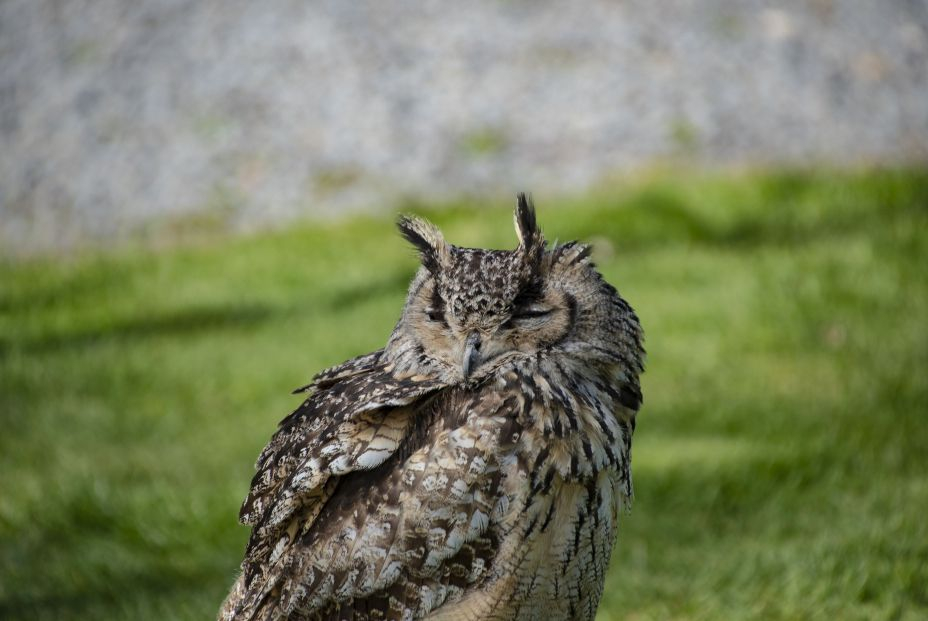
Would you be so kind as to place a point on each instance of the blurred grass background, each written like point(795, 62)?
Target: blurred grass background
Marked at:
point(780, 460)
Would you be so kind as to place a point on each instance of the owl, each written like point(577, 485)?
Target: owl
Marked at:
point(473, 468)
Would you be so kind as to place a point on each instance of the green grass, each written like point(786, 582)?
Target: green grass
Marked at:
point(780, 460)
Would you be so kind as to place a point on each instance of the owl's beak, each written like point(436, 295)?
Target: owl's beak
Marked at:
point(471, 358)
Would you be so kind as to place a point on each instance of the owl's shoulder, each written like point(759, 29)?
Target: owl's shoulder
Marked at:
point(331, 432)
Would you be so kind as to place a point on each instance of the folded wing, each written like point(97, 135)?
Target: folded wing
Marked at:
point(375, 494)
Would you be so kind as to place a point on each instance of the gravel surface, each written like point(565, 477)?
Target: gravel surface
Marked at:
point(115, 115)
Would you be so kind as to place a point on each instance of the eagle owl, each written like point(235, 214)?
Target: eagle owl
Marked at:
point(473, 468)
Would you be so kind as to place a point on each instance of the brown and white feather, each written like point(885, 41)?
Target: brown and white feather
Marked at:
point(474, 468)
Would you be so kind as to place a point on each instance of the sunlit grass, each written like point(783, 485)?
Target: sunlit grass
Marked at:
point(779, 458)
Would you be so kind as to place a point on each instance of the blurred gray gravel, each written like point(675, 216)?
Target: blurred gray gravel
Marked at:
point(115, 115)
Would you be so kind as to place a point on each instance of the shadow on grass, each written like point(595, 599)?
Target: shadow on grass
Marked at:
point(63, 290)
point(179, 323)
point(121, 588)
point(208, 319)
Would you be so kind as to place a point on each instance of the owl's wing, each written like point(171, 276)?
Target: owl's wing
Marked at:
point(401, 535)
point(354, 420)
point(345, 425)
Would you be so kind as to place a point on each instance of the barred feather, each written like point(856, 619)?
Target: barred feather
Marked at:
point(407, 485)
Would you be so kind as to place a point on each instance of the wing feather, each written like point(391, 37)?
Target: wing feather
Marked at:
point(389, 503)
point(337, 429)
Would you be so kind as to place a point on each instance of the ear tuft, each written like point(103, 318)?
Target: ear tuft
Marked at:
point(530, 238)
point(426, 238)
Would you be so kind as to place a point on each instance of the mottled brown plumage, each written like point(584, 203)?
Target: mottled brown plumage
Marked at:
point(474, 468)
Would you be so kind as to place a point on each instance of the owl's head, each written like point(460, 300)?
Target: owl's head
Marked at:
point(471, 311)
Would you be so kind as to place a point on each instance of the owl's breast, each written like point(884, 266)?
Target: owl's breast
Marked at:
point(563, 459)
point(553, 554)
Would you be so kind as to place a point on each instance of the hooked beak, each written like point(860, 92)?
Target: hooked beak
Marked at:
point(471, 358)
